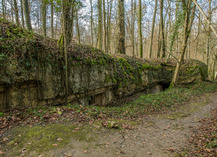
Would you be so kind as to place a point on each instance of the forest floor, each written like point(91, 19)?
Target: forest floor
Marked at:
point(182, 130)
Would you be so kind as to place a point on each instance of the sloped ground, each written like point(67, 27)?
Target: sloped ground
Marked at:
point(164, 133)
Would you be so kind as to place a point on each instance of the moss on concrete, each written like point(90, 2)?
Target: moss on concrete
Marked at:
point(193, 71)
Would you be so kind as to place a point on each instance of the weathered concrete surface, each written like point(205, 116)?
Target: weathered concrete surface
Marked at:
point(88, 84)
point(32, 72)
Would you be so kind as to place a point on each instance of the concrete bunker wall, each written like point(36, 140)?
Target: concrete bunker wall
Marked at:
point(88, 85)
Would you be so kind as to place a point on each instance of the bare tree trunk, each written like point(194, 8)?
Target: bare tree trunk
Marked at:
point(73, 13)
point(109, 24)
point(133, 26)
point(137, 47)
point(56, 26)
point(3, 8)
point(168, 25)
point(189, 48)
point(66, 37)
point(189, 18)
point(44, 15)
point(207, 19)
point(177, 24)
point(22, 16)
point(163, 48)
point(115, 29)
point(91, 21)
point(51, 23)
point(140, 29)
point(104, 24)
point(12, 10)
point(27, 14)
point(152, 29)
point(177, 46)
point(38, 22)
point(100, 24)
point(214, 74)
point(16, 13)
point(77, 28)
point(198, 30)
point(159, 41)
point(208, 35)
point(121, 28)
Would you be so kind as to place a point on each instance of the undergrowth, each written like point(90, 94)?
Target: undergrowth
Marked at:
point(145, 104)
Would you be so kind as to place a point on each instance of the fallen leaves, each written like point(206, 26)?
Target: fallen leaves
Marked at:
point(85, 151)
point(5, 139)
point(2, 153)
point(59, 139)
point(122, 152)
point(205, 137)
point(171, 149)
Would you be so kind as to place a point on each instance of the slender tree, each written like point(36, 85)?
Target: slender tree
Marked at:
point(104, 25)
point(66, 36)
point(16, 13)
point(152, 29)
point(22, 16)
point(38, 15)
point(189, 18)
point(77, 27)
point(159, 41)
point(12, 10)
point(73, 14)
point(163, 47)
point(168, 24)
point(121, 28)
point(91, 21)
point(133, 26)
point(198, 35)
point(178, 23)
point(206, 17)
point(27, 14)
point(140, 29)
point(208, 34)
point(109, 12)
point(51, 22)
point(100, 37)
point(3, 8)
point(44, 15)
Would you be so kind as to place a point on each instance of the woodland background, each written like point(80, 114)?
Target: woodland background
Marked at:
point(153, 29)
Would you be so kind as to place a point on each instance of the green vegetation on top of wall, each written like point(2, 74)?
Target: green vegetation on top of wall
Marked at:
point(24, 52)
point(192, 68)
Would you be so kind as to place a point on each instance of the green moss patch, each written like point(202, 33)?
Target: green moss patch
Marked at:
point(186, 110)
point(193, 71)
point(44, 138)
point(175, 116)
point(25, 52)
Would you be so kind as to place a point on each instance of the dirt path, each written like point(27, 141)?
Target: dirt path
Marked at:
point(158, 135)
